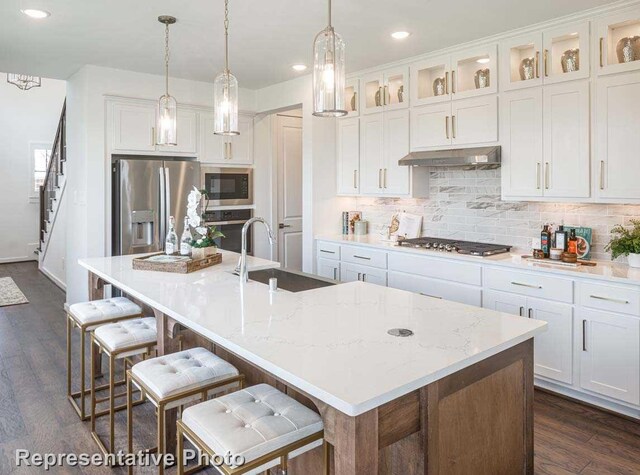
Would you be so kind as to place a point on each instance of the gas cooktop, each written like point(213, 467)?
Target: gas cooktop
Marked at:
point(452, 245)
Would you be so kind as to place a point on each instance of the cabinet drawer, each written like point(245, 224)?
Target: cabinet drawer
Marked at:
point(364, 256)
point(609, 297)
point(328, 250)
point(440, 289)
point(353, 272)
point(461, 272)
point(530, 284)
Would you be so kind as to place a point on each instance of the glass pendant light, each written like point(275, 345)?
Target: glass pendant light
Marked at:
point(166, 128)
point(225, 91)
point(328, 73)
point(24, 81)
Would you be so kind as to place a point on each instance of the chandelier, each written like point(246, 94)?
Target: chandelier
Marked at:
point(24, 81)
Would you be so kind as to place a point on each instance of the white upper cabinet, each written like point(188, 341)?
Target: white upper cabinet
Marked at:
point(430, 81)
point(371, 153)
point(386, 90)
point(566, 155)
point(521, 138)
point(348, 144)
point(473, 72)
point(566, 53)
point(226, 150)
point(352, 97)
point(474, 121)
point(187, 134)
point(211, 145)
point(617, 122)
point(520, 62)
point(133, 125)
point(431, 126)
point(554, 55)
point(618, 38)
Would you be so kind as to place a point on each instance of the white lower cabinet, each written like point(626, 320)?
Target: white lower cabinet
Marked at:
point(440, 289)
point(610, 356)
point(328, 268)
point(554, 348)
point(353, 272)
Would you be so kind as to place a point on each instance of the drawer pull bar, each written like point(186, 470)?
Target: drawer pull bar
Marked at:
point(328, 252)
point(584, 335)
point(432, 296)
point(526, 285)
point(361, 257)
point(521, 313)
point(609, 299)
point(530, 313)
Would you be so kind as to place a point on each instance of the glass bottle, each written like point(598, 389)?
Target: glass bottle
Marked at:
point(171, 242)
point(185, 239)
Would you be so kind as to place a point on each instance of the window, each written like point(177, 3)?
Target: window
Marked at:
point(39, 156)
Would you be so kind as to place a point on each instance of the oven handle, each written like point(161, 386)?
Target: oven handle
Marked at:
point(223, 223)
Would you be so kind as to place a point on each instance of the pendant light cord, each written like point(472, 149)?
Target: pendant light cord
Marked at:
point(226, 37)
point(329, 13)
point(166, 57)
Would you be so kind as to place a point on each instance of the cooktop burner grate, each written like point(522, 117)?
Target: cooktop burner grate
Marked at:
point(454, 245)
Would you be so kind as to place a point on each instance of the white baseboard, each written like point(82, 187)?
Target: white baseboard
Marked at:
point(10, 260)
point(54, 279)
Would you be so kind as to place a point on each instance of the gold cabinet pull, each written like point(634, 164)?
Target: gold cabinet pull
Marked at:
point(546, 175)
point(453, 82)
point(384, 178)
point(386, 92)
point(609, 299)
point(453, 126)
point(537, 64)
point(446, 83)
point(230, 150)
point(602, 174)
point(379, 177)
point(601, 52)
point(355, 102)
point(546, 69)
point(153, 136)
point(538, 175)
point(355, 178)
point(446, 126)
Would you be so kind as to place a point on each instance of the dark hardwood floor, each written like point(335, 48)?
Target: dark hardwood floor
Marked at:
point(34, 414)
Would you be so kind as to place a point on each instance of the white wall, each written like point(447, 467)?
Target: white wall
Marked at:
point(321, 208)
point(27, 116)
point(88, 185)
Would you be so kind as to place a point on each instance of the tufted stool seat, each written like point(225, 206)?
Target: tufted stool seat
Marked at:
point(260, 423)
point(120, 340)
point(86, 316)
point(174, 380)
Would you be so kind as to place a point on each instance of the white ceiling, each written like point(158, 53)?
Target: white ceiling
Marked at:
point(267, 36)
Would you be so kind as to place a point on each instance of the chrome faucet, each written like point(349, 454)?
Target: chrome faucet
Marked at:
point(241, 268)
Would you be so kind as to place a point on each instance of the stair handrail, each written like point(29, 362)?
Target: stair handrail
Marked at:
point(54, 169)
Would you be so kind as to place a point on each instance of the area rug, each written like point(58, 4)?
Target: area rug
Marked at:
point(10, 294)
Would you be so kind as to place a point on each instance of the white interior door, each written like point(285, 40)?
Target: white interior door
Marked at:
point(289, 143)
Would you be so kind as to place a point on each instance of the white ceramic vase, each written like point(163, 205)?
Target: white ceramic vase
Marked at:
point(634, 260)
point(202, 252)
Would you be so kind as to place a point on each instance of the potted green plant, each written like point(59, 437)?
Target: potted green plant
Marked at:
point(203, 244)
point(626, 242)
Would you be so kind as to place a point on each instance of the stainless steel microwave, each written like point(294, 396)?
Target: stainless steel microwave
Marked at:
point(228, 186)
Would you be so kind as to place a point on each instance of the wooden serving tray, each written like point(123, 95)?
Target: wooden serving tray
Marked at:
point(181, 267)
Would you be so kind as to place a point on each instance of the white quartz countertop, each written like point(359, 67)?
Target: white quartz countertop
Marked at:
point(330, 342)
point(603, 270)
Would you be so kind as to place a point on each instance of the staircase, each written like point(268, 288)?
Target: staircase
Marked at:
point(52, 189)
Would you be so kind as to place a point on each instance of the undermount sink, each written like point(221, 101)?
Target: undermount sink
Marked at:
point(292, 281)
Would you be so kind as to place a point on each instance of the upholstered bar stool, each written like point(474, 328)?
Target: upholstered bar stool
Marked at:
point(259, 423)
point(120, 340)
point(174, 380)
point(86, 316)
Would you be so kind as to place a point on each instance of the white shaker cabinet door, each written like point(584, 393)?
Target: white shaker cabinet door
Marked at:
point(474, 121)
point(396, 146)
point(239, 148)
point(504, 302)
point(617, 165)
point(610, 356)
point(431, 126)
point(187, 133)
point(329, 268)
point(371, 153)
point(211, 145)
point(521, 135)
point(566, 140)
point(553, 353)
point(355, 272)
point(134, 128)
point(348, 165)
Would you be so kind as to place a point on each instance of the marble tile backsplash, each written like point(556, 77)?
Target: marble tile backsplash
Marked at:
point(466, 204)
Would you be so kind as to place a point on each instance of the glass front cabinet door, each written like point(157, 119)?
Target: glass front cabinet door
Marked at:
point(520, 62)
point(430, 81)
point(473, 72)
point(566, 53)
point(619, 42)
point(386, 90)
point(351, 97)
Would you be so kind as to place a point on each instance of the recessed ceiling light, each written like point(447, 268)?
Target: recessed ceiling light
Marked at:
point(483, 60)
point(400, 35)
point(34, 13)
point(299, 67)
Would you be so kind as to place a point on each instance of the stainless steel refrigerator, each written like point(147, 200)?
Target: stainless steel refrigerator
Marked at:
point(145, 192)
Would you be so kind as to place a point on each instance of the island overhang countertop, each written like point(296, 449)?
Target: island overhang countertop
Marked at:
point(330, 342)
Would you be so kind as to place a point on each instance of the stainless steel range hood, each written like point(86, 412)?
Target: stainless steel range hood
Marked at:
point(478, 157)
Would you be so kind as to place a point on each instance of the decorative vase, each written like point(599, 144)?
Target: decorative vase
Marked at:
point(203, 252)
point(527, 69)
point(634, 260)
point(482, 78)
point(438, 87)
point(628, 49)
point(401, 94)
point(570, 60)
point(353, 102)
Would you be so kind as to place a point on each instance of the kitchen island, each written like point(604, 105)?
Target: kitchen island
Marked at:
point(455, 397)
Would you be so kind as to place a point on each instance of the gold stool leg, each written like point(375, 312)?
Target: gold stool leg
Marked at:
point(325, 450)
point(180, 450)
point(129, 418)
point(112, 391)
point(82, 370)
point(68, 356)
point(93, 390)
point(161, 446)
